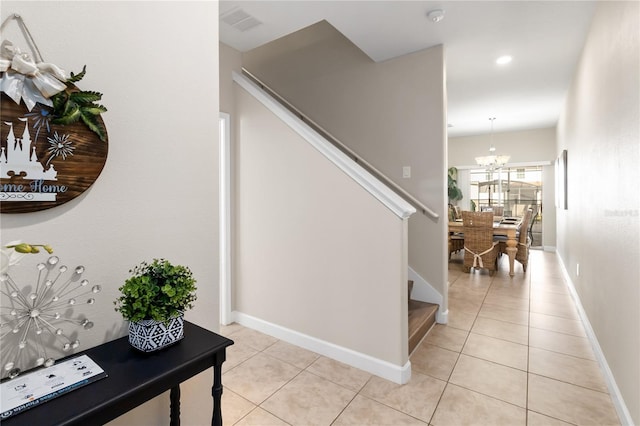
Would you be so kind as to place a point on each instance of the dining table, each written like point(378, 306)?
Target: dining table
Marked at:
point(501, 227)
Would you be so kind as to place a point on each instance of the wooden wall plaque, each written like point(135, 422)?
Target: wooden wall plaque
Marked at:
point(43, 165)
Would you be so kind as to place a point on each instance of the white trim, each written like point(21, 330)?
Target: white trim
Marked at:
point(614, 391)
point(378, 367)
point(425, 292)
point(376, 188)
point(549, 248)
point(225, 217)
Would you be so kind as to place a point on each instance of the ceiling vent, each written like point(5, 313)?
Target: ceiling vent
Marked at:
point(239, 19)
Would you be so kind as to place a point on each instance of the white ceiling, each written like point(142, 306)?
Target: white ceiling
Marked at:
point(544, 38)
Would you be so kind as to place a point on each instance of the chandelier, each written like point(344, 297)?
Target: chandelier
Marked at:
point(492, 161)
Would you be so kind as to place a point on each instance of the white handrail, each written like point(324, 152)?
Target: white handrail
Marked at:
point(375, 187)
point(345, 149)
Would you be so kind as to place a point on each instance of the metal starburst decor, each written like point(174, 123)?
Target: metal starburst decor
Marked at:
point(38, 321)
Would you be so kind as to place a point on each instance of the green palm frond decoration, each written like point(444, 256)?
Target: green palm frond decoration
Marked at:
point(73, 105)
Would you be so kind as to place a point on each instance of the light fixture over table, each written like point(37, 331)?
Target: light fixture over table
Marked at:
point(492, 161)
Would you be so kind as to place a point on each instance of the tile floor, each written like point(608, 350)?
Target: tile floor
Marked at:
point(514, 353)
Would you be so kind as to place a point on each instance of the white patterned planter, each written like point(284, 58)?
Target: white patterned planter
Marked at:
point(150, 335)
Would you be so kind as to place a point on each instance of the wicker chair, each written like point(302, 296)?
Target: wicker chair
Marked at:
point(456, 243)
point(480, 251)
point(497, 210)
point(524, 242)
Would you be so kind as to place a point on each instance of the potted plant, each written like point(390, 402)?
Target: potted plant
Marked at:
point(454, 193)
point(153, 300)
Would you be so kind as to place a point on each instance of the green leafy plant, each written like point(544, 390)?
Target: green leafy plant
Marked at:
point(156, 290)
point(72, 105)
point(454, 193)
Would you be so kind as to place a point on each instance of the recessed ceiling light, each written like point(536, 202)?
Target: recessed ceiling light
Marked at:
point(504, 60)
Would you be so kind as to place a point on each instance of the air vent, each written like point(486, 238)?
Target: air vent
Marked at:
point(239, 19)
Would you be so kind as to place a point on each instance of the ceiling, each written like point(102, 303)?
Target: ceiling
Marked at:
point(544, 38)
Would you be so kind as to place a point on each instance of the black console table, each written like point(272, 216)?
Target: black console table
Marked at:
point(134, 378)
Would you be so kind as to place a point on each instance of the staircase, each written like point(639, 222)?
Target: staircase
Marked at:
point(422, 316)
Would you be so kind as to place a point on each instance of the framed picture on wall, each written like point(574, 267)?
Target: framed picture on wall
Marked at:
point(561, 180)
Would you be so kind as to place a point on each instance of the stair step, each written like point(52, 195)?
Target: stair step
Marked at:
point(422, 316)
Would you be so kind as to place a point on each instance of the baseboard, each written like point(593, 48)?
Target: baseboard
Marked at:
point(378, 367)
point(614, 391)
point(549, 248)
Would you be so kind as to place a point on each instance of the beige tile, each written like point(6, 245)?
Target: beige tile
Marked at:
point(462, 407)
point(563, 310)
point(559, 342)
point(405, 398)
point(460, 319)
point(497, 350)
point(292, 354)
point(309, 400)
point(237, 354)
point(234, 407)
point(566, 368)
point(446, 337)
point(502, 330)
point(465, 305)
point(228, 330)
point(339, 373)
point(557, 324)
point(365, 411)
point(488, 378)
point(259, 377)
point(504, 314)
point(253, 338)
point(465, 292)
point(570, 403)
point(508, 302)
point(259, 417)
point(509, 289)
point(433, 361)
point(552, 285)
point(537, 419)
point(474, 281)
point(543, 296)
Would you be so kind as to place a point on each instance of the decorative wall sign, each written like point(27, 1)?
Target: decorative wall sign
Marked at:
point(53, 142)
point(43, 165)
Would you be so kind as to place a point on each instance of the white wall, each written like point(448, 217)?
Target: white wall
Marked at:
point(315, 252)
point(600, 230)
point(526, 146)
point(536, 146)
point(391, 113)
point(157, 65)
point(230, 60)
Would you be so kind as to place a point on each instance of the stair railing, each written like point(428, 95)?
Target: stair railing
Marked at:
point(345, 149)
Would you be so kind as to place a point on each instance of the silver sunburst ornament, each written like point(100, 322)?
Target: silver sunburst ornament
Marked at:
point(37, 321)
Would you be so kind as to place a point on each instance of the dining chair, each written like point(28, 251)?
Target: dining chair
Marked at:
point(498, 210)
point(524, 242)
point(480, 251)
point(456, 242)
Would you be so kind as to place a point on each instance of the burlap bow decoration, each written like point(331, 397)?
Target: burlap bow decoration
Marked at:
point(24, 79)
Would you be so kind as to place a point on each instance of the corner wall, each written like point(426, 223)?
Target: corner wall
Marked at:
point(315, 252)
point(600, 231)
point(392, 113)
point(157, 195)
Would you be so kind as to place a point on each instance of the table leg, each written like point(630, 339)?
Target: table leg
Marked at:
point(216, 391)
point(174, 398)
point(512, 249)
